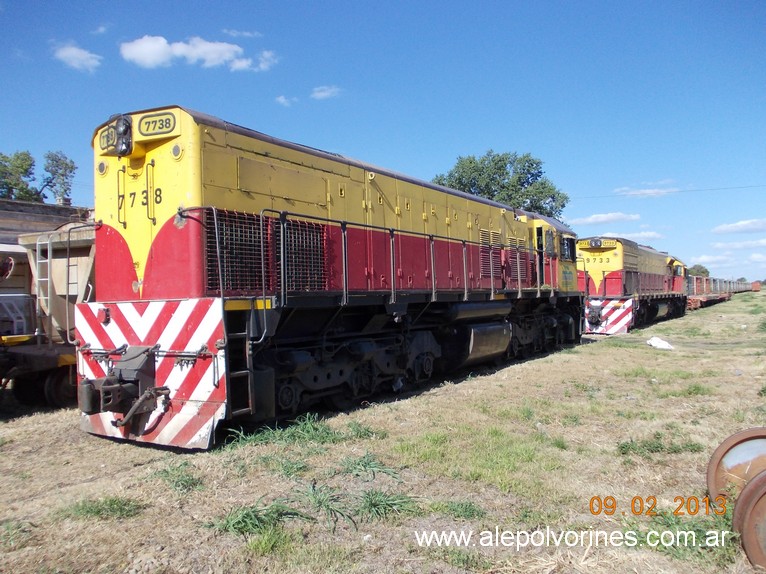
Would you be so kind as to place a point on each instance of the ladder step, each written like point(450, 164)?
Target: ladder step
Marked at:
point(233, 374)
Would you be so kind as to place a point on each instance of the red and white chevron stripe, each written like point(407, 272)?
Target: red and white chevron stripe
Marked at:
point(615, 315)
point(197, 399)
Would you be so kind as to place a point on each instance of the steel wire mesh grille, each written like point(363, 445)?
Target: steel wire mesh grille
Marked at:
point(251, 254)
point(304, 247)
point(244, 239)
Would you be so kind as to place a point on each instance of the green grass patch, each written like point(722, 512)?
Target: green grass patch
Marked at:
point(571, 420)
point(256, 519)
point(535, 518)
point(357, 430)
point(507, 459)
point(692, 390)
point(111, 507)
point(526, 412)
point(376, 504)
point(329, 503)
point(366, 467)
point(618, 342)
point(272, 539)
point(14, 535)
point(692, 538)
point(640, 415)
point(283, 465)
point(664, 377)
point(462, 559)
point(587, 389)
point(180, 477)
point(307, 429)
point(465, 509)
point(559, 442)
point(658, 443)
point(761, 327)
point(639, 373)
point(694, 331)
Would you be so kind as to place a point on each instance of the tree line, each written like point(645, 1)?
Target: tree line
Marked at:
point(515, 180)
point(18, 179)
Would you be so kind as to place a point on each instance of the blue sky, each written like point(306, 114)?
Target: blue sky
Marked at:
point(650, 115)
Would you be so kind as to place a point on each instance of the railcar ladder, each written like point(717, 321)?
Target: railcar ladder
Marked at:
point(43, 287)
point(241, 368)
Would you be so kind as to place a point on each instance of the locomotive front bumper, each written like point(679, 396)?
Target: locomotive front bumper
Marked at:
point(128, 388)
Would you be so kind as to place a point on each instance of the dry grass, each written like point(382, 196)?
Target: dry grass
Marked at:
point(520, 448)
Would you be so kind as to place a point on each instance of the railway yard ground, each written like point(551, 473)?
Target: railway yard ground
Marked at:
point(588, 440)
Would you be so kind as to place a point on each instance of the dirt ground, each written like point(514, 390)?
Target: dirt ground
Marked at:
point(536, 446)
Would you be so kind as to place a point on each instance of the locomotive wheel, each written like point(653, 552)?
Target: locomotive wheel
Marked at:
point(736, 461)
point(515, 347)
point(61, 388)
point(28, 391)
point(750, 519)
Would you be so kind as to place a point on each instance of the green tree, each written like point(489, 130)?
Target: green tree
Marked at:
point(60, 172)
point(516, 180)
point(699, 270)
point(742, 280)
point(17, 174)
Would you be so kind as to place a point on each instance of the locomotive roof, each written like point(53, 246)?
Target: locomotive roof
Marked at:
point(228, 126)
point(631, 243)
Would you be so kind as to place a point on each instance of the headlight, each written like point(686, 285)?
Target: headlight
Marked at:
point(124, 129)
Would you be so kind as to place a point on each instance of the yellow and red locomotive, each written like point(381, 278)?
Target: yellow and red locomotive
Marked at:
point(245, 277)
point(627, 284)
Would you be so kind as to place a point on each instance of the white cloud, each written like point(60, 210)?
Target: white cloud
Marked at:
point(757, 258)
point(639, 236)
point(646, 191)
point(156, 51)
point(604, 218)
point(102, 29)
point(241, 64)
point(210, 54)
point(266, 60)
point(77, 58)
point(325, 92)
point(241, 33)
point(148, 52)
point(285, 101)
point(746, 226)
point(755, 244)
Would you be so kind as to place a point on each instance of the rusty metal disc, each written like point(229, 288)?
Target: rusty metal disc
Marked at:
point(750, 519)
point(745, 500)
point(737, 460)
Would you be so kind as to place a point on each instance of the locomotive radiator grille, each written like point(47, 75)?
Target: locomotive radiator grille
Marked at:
point(246, 253)
point(304, 256)
point(518, 260)
point(490, 252)
point(263, 254)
